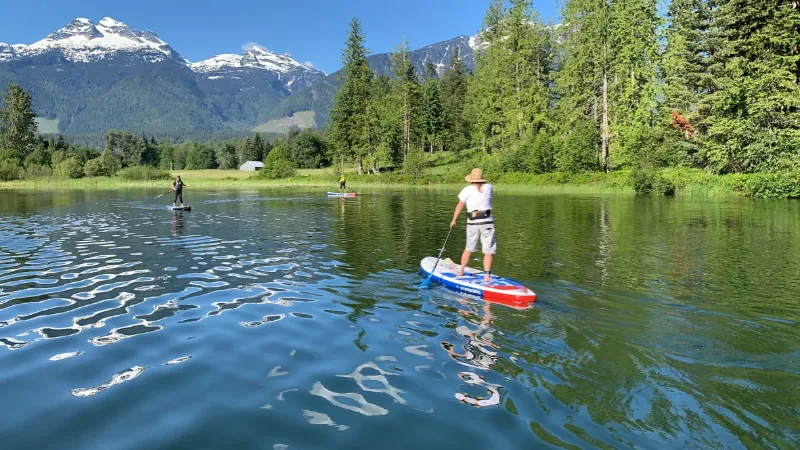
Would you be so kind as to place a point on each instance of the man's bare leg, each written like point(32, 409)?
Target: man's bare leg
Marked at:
point(464, 261)
point(487, 267)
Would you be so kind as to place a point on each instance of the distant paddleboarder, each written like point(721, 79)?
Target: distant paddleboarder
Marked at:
point(342, 183)
point(477, 197)
point(178, 186)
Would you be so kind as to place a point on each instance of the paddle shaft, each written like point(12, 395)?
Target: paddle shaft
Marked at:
point(440, 255)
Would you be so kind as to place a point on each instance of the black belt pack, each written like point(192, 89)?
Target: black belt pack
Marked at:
point(478, 215)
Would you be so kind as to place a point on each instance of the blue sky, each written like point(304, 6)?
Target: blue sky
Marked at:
point(311, 30)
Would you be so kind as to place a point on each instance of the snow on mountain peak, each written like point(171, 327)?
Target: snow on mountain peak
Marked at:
point(81, 40)
point(109, 22)
point(254, 57)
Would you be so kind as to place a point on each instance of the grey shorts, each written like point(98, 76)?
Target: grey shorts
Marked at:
point(484, 233)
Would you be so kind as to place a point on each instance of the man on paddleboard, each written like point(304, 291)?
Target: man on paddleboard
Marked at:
point(342, 183)
point(477, 197)
point(178, 186)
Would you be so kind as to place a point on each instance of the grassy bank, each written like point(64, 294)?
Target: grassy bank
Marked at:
point(689, 182)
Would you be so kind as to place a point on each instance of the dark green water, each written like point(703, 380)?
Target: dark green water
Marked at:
point(267, 319)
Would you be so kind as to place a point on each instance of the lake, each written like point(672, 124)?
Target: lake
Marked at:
point(281, 319)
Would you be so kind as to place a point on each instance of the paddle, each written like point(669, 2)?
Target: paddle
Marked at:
point(427, 282)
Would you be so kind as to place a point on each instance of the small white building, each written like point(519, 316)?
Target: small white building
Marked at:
point(251, 166)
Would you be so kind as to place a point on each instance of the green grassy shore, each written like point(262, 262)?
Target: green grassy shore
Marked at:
point(689, 182)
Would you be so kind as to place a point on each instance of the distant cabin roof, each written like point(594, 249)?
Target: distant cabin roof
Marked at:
point(251, 164)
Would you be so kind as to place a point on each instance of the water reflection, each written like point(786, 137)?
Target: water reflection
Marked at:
point(177, 223)
point(479, 352)
point(661, 324)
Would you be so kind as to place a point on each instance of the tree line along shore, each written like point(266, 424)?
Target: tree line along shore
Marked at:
point(702, 100)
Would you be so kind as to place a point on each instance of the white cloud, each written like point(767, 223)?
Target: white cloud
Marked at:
point(251, 45)
point(309, 64)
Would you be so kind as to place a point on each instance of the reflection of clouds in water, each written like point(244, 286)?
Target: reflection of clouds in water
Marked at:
point(417, 350)
point(493, 399)
point(177, 361)
point(317, 418)
point(277, 372)
point(388, 389)
point(61, 356)
point(121, 377)
point(280, 394)
point(125, 375)
point(364, 407)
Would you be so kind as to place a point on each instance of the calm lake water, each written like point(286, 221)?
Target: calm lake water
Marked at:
point(279, 319)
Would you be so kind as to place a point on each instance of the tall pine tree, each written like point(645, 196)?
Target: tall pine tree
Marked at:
point(17, 121)
point(484, 107)
point(384, 121)
point(407, 91)
point(754, 122)
point(687, 79)
point(634, 66)
point(454, 92)
point(348, 127)
point(433, 123)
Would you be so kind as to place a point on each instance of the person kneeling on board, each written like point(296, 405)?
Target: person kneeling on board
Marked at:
point(477, 197)
point(178, 186)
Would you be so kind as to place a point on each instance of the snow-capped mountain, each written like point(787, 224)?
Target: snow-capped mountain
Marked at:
point(254, 62)
point(254, 58)
point(90, 77)
point(83, 41)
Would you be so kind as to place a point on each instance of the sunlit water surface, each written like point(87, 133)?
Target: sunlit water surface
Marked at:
point(279, 319)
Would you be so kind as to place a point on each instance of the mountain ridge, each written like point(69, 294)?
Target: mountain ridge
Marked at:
point(88, 77)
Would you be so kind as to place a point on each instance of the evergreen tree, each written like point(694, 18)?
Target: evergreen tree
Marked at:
point(609, 75)
point(61, 144)
point(634, 83)
point(527, 52)
point(348, 126)
point(17, 121)
point(484, 107)
point(454, 92)
point(429, 72)
point(583, 79)
point(253, 149)
point(407, 91)
point(433, 123)
point(754, 123)
point(510, 95)
point(258, 148)
point(384, 126)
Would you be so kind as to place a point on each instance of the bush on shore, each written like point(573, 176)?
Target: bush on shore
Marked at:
point(143, 173)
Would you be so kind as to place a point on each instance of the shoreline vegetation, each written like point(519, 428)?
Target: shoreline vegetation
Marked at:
point(678, 182)
point(703, 102)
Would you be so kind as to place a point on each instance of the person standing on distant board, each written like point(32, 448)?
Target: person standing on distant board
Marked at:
point(477, 197)
point(342, 183)
point(178, 186)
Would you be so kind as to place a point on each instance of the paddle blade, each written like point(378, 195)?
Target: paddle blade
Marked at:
point(426, 284)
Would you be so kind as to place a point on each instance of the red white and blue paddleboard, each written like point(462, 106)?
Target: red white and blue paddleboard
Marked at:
point(498, 290)
point(342, 194)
